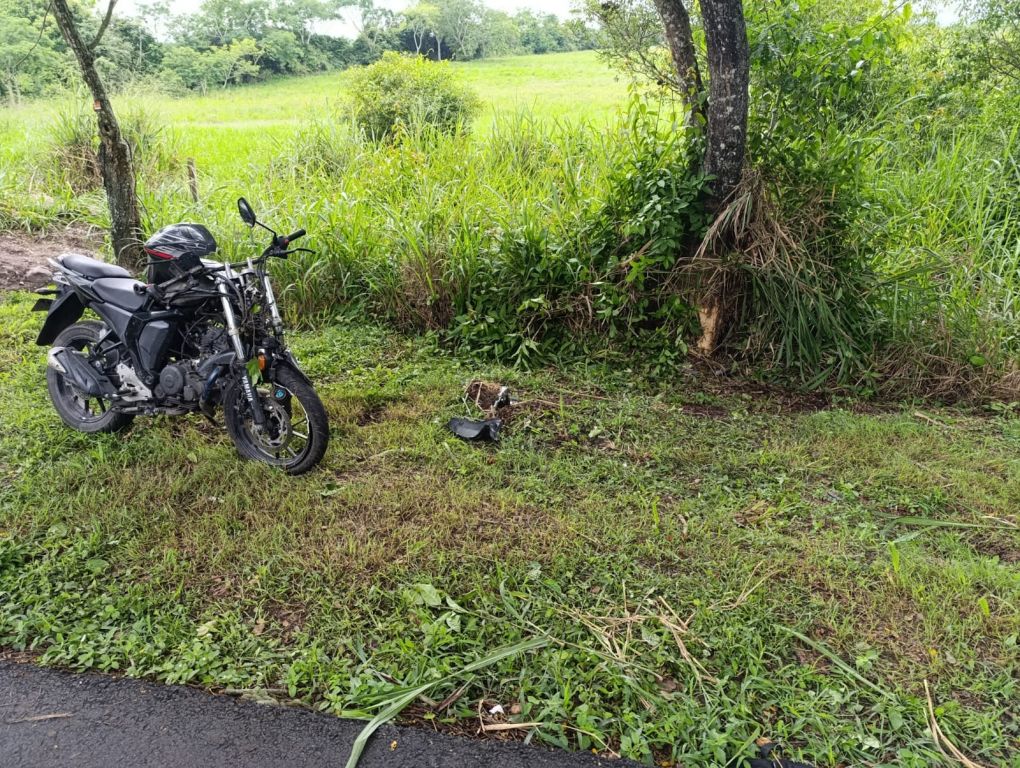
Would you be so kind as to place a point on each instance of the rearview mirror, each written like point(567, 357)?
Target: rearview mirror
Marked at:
point(247, 214)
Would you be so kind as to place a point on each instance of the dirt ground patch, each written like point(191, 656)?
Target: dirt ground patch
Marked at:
point(23, 257)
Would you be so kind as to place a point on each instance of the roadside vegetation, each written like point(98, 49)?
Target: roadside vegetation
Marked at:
point(811, 536)
point(875, 241)
point(220, 43)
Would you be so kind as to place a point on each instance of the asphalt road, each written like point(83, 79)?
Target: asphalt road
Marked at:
point(54, 718)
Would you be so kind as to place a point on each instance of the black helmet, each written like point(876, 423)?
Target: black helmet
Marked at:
point(176, 249)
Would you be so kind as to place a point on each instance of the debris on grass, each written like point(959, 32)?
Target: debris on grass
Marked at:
point(488, 396)
point(494, 401)
point(486, 430)
point(390, 708)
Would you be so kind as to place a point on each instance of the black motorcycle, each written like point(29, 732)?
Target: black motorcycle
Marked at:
point(200, 334)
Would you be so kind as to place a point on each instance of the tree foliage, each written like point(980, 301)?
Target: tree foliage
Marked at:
point(225, 42)
point(30, 52)
point(995, 36)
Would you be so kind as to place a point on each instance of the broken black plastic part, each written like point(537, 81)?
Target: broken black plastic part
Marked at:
point(766, 760)
point(502, 398)
point(472, 429)
point(81, 374)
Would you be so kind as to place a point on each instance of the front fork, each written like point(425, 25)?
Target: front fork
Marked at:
point(257, 414)
point(274, 310)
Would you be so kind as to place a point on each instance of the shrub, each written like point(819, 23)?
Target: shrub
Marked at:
point(409, 93)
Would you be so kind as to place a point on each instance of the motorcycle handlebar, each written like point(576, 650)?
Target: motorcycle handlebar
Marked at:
point(285, 241)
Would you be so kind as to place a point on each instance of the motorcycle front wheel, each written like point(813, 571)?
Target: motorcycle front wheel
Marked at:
point(296, 431)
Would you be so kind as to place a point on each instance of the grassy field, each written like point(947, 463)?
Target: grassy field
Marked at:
point(707, 566)
point(225, 131)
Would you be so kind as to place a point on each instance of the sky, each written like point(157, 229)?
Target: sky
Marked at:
point(946, 10)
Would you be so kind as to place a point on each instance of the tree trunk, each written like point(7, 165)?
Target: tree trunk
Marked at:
point(729, 75)
point(11, 88)
point(726, 126)
point(114, 152)
point(677, 25)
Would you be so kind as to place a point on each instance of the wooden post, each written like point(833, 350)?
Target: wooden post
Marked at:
point(193, 179)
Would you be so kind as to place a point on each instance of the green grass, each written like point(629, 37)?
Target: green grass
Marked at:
point(708, 567)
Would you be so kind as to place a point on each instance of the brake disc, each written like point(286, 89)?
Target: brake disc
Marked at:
point(276, 433)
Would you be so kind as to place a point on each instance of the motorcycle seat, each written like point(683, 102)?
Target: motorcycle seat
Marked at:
point(89, 267)
point(119, 291)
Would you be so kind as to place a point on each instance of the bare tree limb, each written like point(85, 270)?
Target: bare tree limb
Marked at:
point(103, 26)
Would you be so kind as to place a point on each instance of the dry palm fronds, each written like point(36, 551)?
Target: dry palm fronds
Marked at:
point(941, 740)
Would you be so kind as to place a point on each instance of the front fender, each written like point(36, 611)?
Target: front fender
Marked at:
point(286, 360)
point(65, 310)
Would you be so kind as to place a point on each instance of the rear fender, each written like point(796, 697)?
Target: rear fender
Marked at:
point(65, 310)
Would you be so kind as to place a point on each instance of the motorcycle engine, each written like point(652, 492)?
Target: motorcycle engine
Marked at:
point(180, 381)
point(214, 341)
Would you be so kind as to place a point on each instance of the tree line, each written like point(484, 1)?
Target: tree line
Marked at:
point(228, 42)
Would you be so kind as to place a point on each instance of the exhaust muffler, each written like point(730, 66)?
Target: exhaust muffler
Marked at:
point(74, 367)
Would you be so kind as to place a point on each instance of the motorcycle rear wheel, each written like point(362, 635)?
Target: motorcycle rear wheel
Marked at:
point(82, 412)
point(297, 428)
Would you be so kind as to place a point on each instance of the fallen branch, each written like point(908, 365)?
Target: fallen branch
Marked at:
point(490, 727)
point(39, 718)
point(450, 700)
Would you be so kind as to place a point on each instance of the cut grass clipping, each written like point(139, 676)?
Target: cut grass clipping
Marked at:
point(393, 706)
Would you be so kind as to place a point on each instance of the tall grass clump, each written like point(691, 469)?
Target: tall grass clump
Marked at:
point(542, 241)
point(800, 291)
point(74, 146)
point(949, 218)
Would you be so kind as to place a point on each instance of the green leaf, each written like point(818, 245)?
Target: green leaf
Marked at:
point(427, 594)
point(986, 609)
point(97, 565)
point(649, 637)
point(929, 522)
point(253, 370)
point(206, 628)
